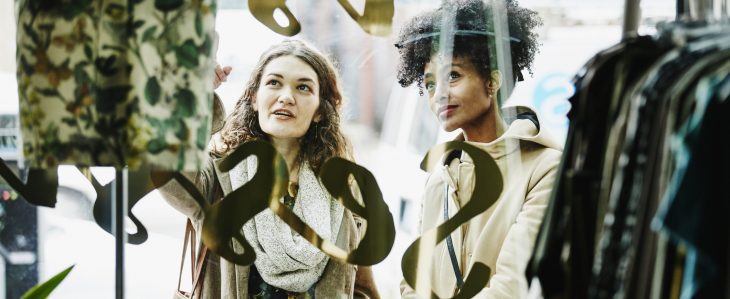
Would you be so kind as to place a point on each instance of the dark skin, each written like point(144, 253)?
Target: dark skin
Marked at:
point(462, 99)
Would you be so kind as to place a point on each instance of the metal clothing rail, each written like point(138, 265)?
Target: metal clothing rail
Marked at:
point(632, 16)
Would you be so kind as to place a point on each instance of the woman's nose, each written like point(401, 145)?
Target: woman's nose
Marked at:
point(441, 93)
point(286, 96)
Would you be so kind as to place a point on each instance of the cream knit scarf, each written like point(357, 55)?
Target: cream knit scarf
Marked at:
point(283, 258)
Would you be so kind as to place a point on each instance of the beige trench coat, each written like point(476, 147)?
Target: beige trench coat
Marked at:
point(503, 236)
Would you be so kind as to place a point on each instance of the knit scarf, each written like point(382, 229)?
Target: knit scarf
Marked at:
point(283, 258)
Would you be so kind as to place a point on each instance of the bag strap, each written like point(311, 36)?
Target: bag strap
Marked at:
point(197, 266)
point(198, 275)
point(450, 243)
point(189, 239)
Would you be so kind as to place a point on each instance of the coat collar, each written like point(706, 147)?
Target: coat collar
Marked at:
point(224, 178)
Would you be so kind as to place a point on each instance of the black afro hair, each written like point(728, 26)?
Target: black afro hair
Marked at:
point(419, 37)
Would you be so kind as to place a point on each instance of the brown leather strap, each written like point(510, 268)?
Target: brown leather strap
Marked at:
point(199, 271)
point(189, 239)
point(197, 267)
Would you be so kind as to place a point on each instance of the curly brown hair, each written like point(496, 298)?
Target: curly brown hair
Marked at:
point(323, 139)
point(418, 39)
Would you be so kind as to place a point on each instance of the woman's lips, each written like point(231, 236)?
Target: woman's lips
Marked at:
point(283, 114)
point(446, 111)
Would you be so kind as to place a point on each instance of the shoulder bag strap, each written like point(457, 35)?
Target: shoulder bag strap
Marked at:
point(199, 270)
point(450, 243)
point(189, 239)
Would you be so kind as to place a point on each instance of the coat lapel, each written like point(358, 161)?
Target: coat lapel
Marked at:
point(224, 179)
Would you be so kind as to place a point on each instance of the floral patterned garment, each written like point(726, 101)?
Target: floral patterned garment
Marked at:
point(115, 83)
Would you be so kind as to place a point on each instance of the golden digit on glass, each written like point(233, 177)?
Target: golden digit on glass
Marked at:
point(225, 218)
point(380, 234)
point(263, 10)
point(417, 259)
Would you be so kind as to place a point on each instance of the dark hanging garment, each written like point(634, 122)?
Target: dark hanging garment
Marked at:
point(571, 219)
point(695, 209)
point(633, 189)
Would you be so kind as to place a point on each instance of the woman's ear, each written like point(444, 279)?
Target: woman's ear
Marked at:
point(495, 80)
point(253, 104)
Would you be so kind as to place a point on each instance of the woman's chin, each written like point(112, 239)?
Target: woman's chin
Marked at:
point(448, 127)
point(275, 134)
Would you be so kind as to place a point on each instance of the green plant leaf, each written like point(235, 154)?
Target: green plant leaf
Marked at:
point(181, 160)
point(89, 53)
point(149, 33)
point(29, 31)
point(168, 5)
point(185, 103)
point(202, 135)
point(178, 126)
point(45, 289)
point(156, 146)
point(107, 65)
point(69, 121)
point(158, 125)
point(49, 92)
point(28, 69)
point(152, 91)
point(187, 54)
point(198, 24)
point(74, 8)
point(137, 24)
point(108, 98)
point(207, 45)
point(115, 11)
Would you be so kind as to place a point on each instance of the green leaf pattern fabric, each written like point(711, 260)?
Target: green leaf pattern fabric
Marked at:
point(115, 83)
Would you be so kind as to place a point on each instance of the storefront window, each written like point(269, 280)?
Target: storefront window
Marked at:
point(390, 127)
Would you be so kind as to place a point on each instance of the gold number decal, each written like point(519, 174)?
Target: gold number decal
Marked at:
point(224, 219)
point(263, 10)
point(487, 189)
point(40, 188)
point(380, 234)
point(377, 19)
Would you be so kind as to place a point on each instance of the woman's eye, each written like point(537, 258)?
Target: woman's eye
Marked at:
point(272, 82)
point(454, 76)
point(430, 85)
point(304, 88)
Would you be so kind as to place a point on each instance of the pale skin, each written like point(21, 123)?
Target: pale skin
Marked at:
point(461, 99)
point(286, 102)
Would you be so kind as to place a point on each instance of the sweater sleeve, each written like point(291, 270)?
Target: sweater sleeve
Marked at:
point(509, 279)
point(177, 197)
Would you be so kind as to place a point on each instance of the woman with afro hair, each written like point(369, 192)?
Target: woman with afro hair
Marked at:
point(450, 52)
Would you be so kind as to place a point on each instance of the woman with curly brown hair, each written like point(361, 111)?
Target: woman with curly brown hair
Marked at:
point(292, 100)
point(450, 52)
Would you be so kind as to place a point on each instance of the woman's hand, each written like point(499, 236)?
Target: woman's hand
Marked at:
point(221, 75)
